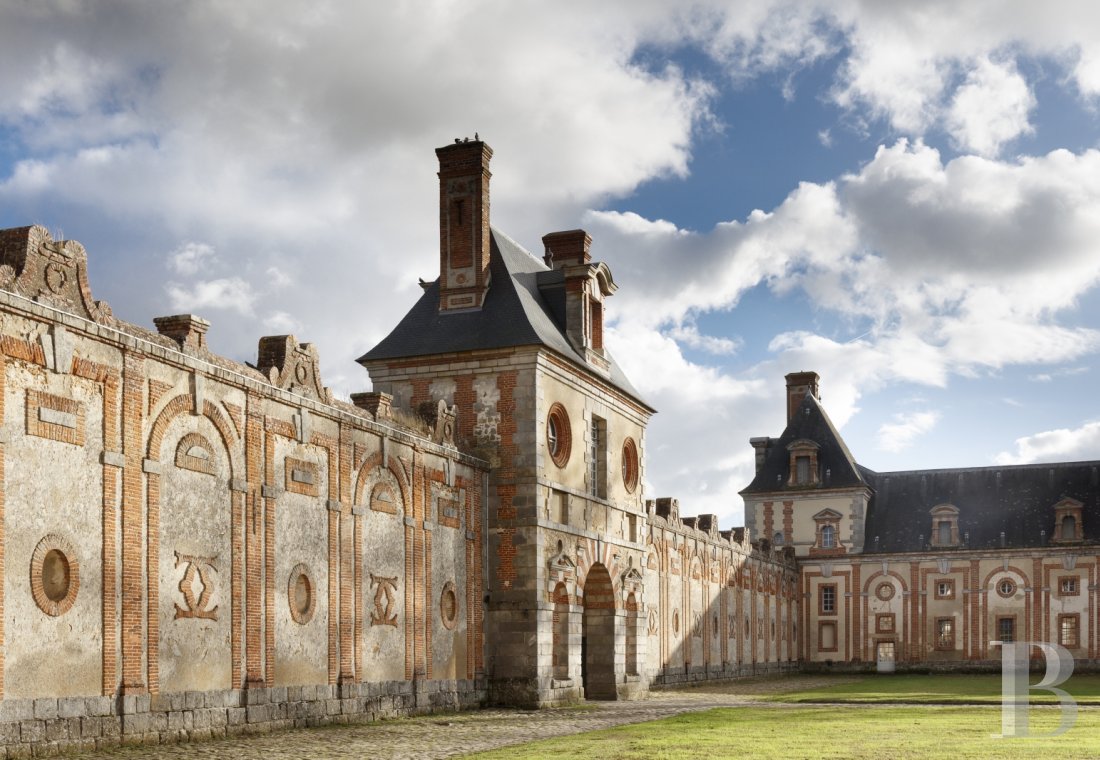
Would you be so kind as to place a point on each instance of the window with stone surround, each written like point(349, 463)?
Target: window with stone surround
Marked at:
point(559, 438)
point(826, 599)
point(945, 525)
point(597, 457)
point(803, 463)
point(945, 633)
point(827, 533)
point(630, 465)
point(945, 589)
point(884, 623)
point(1069, 627)
point(1067, 521)
point(1068, 585)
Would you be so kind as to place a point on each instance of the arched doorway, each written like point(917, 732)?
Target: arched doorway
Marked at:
point(598, 633)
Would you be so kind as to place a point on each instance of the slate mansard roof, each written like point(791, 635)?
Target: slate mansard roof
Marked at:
point(810, 422)
point(525, 306)
point(1016, 500)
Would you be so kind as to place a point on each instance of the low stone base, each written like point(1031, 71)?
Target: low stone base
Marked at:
point(48, 726)
point(676, 677)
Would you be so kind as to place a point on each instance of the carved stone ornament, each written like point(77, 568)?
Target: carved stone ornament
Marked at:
point(51, 272)
point(292, 366)
point(441, 418)
point(561, 569)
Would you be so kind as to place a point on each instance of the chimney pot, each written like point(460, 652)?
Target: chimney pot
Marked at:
point(375, 402)
point(187, 330)
point(798, 385)
point(566, 248)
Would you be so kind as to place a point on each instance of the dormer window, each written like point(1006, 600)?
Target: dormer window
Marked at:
point(1067, 521)
point(1069, 528)
point(945, 525)
point(803, 463)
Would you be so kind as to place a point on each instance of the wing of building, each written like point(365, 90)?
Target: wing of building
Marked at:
point(926, 567)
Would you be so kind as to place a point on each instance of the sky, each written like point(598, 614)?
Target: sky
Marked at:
point(903, 197)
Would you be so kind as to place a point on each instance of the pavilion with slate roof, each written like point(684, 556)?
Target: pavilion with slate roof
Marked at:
point(907, 569)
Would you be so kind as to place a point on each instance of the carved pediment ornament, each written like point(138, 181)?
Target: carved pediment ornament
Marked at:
point(51, 272)
point(292, 366)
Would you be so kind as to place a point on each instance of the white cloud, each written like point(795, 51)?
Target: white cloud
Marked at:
point(190, 257)
point(1060, 445)
point(689, 335)
point(298, 147)
point(228, 294)
point(906, 427)
point(991, 108)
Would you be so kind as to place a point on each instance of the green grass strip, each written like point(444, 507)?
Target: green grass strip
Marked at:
point(787, 733)
point(934, 689)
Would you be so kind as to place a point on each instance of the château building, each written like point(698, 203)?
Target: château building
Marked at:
point(192, 546)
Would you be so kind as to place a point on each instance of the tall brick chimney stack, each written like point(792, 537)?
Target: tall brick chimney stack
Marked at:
point(798, 385)
point(567, 248)
point(569, 251)
point(463, 224)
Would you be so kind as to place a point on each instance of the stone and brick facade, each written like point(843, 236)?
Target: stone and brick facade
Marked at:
point(924, 568)
point(191, 546)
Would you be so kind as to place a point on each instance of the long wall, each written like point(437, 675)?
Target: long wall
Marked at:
point(192, 546)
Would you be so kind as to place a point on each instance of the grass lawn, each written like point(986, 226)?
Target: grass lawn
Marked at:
point(846, 731)
point(935, 689)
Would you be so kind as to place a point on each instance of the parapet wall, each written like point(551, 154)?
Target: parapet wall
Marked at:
point(193, 546)
point(717, 605)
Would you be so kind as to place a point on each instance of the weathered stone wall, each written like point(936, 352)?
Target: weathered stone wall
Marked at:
point(192, 546)
point(716, 605)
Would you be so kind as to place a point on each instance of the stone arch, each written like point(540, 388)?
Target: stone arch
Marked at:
point(561, 632)
point(987, 581)
point(184, 403)
point(374, 473)
point(598, 635)
point(195, 538)
point(879, 574)
point(633, 623)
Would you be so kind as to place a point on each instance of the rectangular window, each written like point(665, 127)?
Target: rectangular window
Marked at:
point(597, 458)
point(1006, 629)
point(945, 533)
point(1068, 627)
point(560, 502)
point(802, 470)
point(826, 637)
point(945, 633)
point(1068, 585)
point(826, 599)
point(595, 309)
point(884, 623)
point(945, 589)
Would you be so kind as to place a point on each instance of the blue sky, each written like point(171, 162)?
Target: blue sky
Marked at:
point(904, 197)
